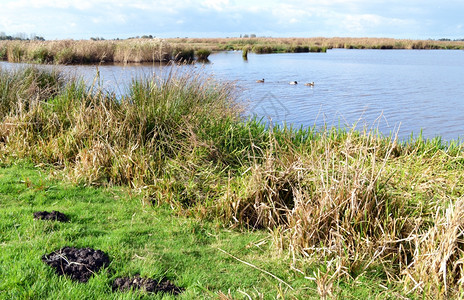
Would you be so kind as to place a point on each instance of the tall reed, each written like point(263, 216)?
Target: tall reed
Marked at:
point(85, 52)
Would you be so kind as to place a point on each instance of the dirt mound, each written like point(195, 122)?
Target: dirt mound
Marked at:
point(54, 215)
point(79, 264)
point(147, 284)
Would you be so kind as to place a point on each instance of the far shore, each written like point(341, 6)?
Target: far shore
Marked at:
point(146, 50)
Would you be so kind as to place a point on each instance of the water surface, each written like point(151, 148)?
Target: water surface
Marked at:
point(396, 91)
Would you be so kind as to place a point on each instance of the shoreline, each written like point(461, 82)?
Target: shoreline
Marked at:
point(189, 49)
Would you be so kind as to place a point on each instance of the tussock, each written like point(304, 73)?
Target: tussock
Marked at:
point(436, 268)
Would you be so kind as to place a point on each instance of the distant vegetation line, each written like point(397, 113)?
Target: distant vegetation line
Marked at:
point(283, 44)
point(149, 49)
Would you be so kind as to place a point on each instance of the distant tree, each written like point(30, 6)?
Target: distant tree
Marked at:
point(245, 36)
point(20, 36)
point(252, 35)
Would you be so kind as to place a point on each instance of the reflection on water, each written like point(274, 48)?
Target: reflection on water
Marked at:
point(400, 91)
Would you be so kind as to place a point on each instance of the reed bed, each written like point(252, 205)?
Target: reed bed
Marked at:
point(356, 202)
point(316, 44)
point(101, 51)
point(187, 49)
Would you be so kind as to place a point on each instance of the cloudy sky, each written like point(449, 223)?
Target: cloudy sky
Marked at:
point(77, 19)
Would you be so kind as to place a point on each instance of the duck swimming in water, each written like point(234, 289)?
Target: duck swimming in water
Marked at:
point(293, 82)
point(310, 84)
point(260, 81)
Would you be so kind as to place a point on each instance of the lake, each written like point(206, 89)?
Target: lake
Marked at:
point(395, 91)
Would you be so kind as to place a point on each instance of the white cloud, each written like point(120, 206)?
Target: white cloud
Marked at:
point(57, 4)
point(119, 18)
point(366, 24)
point(218, 5)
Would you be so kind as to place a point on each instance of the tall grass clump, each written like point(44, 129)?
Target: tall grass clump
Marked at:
point(40, 56)
point(3, 52)
point(331, 194)
point(23, 89)
point(140, 51)
point(183, 55)
point(359, 201)
point(436, 266)
point(245, 51)
point(99, 138)
point(261, 49)
point(202, 54)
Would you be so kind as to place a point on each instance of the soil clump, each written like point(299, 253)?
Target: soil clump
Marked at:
point(54, 215)
point(79, 264)
point(146, 284)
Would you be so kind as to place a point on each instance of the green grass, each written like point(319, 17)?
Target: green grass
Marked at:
point(139, 238)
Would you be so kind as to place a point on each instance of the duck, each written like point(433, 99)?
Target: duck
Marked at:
point(260, 81)
point(310, 84)
point(293, 82)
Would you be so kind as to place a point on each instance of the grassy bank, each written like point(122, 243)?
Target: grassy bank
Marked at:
point(346, 207)
point(316, 44)
point(188, 49)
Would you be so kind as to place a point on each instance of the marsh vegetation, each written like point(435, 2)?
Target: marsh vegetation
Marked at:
point(97, 51)
point(346, 207)
point(187, 49)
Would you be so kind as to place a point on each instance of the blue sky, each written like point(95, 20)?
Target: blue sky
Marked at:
point(82, 19)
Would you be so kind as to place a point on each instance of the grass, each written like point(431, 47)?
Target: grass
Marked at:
point(139, 238)
point(350, 211)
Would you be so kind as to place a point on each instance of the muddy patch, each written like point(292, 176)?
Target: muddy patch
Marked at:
point(54, 215)
point(146, 284)
point(79, 264)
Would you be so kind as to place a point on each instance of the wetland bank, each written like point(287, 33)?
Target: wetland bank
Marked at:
point(349, 211)
point(183, 49)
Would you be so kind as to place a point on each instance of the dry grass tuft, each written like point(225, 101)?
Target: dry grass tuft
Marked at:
point(437, 261)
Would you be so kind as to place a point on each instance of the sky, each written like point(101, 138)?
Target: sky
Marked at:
point(82, 19)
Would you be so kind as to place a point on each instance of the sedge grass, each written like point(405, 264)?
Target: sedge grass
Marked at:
point(361, 206)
